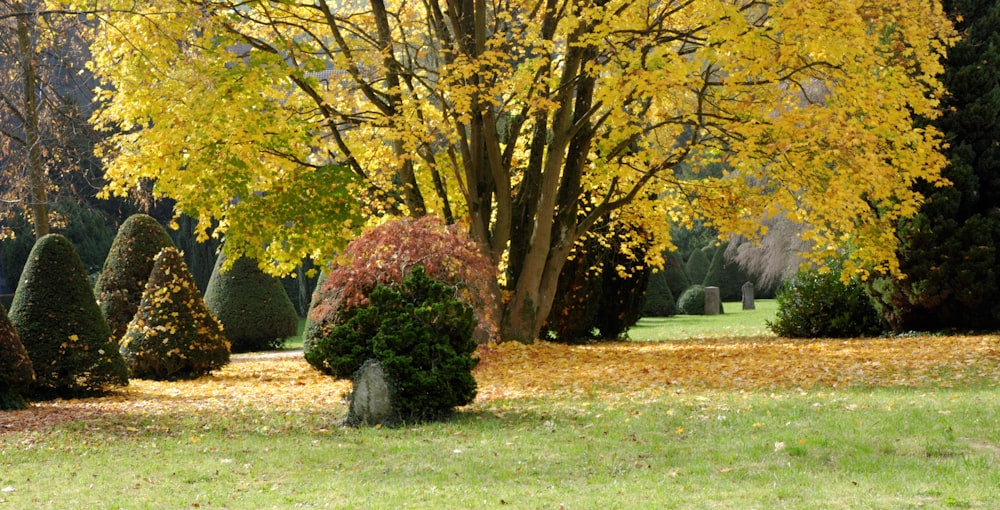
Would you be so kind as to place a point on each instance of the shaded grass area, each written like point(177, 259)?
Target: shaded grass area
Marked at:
point(881, 448)
point(734, 322)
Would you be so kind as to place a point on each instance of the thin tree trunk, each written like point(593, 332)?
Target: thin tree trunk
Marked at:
point(38, 196)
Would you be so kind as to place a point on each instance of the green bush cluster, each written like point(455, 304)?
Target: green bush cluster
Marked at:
point(692, 301)
point(16, 374)
point(123, 278)
point(817, 304)
point(420, 332)
point(255, 312)
point(173, 335)
point(61, 326)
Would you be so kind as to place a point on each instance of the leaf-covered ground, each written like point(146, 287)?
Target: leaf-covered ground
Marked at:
point(614, 370)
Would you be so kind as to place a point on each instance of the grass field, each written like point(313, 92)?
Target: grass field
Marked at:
point(692, 421)
point(883, 448)
point(734, 322)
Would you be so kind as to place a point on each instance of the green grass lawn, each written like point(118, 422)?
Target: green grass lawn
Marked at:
point(734, 322)
point(879, 448)
point(931, 446)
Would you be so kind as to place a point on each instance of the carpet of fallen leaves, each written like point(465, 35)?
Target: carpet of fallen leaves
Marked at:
point(284, 382)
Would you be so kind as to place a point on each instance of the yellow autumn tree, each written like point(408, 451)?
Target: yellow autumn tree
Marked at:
point(285, 122)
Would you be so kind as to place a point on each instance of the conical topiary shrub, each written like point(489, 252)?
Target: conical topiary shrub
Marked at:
point(697, 267)
point(660, 301)
point(16, 374)
point(173, 335)
point(123, 278)
point(61, 326)
point(255, 312)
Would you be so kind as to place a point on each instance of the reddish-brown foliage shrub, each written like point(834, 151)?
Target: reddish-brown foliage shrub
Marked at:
point(386, 254)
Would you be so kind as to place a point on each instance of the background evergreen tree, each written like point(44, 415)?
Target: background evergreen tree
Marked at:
point(716, 264)
point(16, 374)
point(173, 335)
point(121, 283)
point(61, 326)
point(301, 285)
point(626, 276)
point(198, 255)
point(725, 274)
point(675, 273)
point(252, 306)
point(697, 266)
point(949, 251)
point(88, 228)
point(660, 302)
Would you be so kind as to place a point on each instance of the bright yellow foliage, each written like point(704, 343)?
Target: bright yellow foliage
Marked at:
point(511, 115)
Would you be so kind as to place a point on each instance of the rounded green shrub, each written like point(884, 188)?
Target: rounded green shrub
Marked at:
point(173, 335)
point(122, 280)
point(16, 374)
point(255, 312)
point(61, 326)
point(692, 301)
point(818, 304)
point(420, 331)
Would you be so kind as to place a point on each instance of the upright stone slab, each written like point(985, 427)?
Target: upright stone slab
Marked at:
point(747, 289)
point(373, 401)
point(713, 301)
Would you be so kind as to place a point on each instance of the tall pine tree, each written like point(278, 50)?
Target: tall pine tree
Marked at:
point(949, 250)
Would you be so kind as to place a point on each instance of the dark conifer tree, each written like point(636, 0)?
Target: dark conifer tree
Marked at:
point(122, 280)
point(255, 312)
point(601, 288)
point(16, 374)
point(173, 335)
point(949, 251)
point(697, 266)
point(61, 326)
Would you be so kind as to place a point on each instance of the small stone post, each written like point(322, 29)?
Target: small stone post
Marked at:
point(373, 401)
point(747, 296)
point(713, 301)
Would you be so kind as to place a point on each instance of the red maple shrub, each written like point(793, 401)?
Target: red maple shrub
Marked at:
point(387, 254)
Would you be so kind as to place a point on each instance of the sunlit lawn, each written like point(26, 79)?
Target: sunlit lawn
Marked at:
point(734, 322)
point(879, 448)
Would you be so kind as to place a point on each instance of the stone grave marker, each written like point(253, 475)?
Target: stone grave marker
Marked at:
point(713, 301)
point(747, 289)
